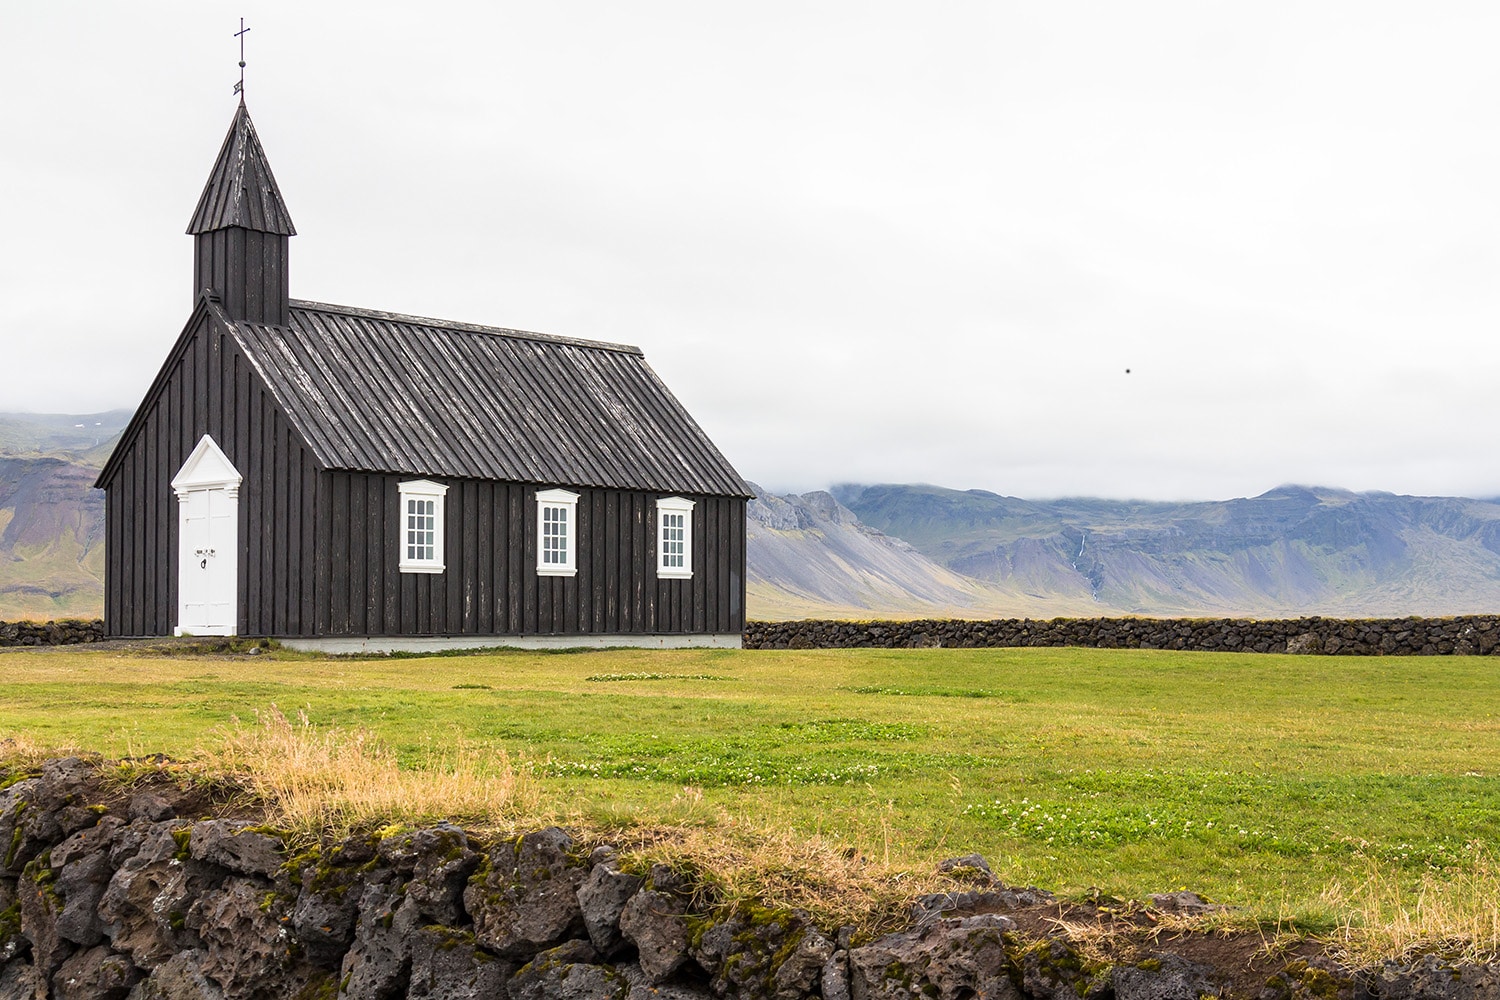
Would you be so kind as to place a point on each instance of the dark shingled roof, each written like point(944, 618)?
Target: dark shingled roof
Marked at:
point(382, 392)
point(241, 190)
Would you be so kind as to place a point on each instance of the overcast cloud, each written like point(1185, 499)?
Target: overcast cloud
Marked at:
point(862, 242)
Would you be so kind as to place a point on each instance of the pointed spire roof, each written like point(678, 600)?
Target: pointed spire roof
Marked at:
point(241, 190)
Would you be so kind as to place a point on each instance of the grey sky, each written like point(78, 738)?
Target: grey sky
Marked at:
point(862, 242)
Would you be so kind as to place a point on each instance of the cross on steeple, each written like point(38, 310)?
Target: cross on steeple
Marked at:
point(239, 88)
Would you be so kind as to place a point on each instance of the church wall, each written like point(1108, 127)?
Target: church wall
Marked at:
point(490, 586)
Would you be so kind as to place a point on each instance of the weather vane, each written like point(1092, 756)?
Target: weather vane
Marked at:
point(239, 88)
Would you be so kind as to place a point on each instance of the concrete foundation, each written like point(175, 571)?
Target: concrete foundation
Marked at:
point(439, 643)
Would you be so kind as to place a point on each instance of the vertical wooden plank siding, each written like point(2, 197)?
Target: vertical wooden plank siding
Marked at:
point(248, 269)
point(291, 496)
point(337, 552)
point(484, 547)
point(323, 487)
point(255, 528)
point(490, 585)
point(357, 582)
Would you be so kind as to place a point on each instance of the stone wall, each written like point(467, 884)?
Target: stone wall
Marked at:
point(1467, 635)
point(114, 894)
point(1464, 635)
point(59, 633)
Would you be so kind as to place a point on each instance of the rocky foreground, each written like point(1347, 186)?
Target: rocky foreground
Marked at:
point(116, 893)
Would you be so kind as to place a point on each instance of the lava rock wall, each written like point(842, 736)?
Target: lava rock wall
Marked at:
point(110, 894)
point(1466, 635)
point(64, 632)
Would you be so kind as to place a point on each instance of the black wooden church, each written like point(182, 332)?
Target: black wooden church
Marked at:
point(350, 479)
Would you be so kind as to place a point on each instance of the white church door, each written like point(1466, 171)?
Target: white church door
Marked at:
point(208, 490)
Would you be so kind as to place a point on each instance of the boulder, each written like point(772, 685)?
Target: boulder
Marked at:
point(247, 948)
point(1305, 644)
point(58, 802)
point(17, 846)
point(442, 863)
point(1163, 977)
point(1432, 978)
point(17, 980)
point(525, 900)
point(149, 806)
point(83, 871)
point(12, 941)
point(602, 898)
point(639, 987)
point(378, 963)
point(970, 867)
point(160, 840)
point(654, 920)
point(755, 952)
point(1322, 979)
point(1184, 901)
point(567, 972)
point(236, 846)
point(180, 977)
point(446, 964)
point(144, 908)
point(39, 908)
point(95, 974)
point(1052, 970)
point(999, 898)
point(833, 982)
point(944, 961)
point(332, 882)
point(323, 920)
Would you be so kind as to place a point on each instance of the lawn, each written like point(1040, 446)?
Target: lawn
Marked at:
point(1276, 783)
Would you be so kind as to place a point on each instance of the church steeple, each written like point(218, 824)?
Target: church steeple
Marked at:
point(240, 230)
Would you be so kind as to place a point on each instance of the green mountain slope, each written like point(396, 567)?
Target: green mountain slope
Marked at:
point(51, 517)
point(1290, 551)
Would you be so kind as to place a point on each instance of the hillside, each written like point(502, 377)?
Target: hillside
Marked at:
point(1290, 551)
point(810, 556)
point(51, 517)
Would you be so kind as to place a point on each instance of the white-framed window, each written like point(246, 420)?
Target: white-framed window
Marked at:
point(674, 538)
point(421, 526)
point(556, 533)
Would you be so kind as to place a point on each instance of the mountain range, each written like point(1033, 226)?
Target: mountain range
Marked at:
point(871, 551)
point(1293, 550)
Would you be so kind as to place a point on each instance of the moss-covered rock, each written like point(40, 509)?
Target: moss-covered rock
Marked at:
point(1052, 969)
point(943, 961)
point(523, 897)
point(755, 952)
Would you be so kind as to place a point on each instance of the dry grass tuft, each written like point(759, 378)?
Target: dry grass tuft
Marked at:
point(19, 752)
point(1096, 941)
point(320, 779)
point(1455, 912)
point(784, 869)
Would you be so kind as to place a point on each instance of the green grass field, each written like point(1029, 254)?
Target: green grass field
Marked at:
point(1277, 783)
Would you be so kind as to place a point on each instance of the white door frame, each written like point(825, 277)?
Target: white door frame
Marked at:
point(208, 491)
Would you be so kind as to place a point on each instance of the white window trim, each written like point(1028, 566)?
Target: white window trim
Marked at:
point(569, 502)
point(421, 489)
point(674, 505)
